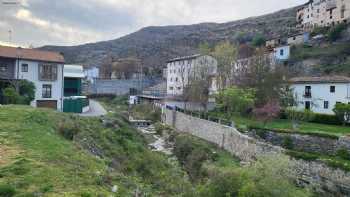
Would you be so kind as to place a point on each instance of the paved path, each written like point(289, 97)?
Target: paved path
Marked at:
point(96, 110)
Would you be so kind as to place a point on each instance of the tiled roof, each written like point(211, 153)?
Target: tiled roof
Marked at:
point(30, 54)
point(325, 79)
point(184, 58)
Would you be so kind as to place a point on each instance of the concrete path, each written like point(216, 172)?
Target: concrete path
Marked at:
point(96, 110)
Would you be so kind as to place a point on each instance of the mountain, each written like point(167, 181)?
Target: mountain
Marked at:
point(155, 45)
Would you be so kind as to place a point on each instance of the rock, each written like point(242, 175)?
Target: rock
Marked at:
point(114, 189)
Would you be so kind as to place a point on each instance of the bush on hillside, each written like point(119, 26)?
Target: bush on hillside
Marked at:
point(7, 191)
point(25, 94)
point(269, 176)
point(342, 111)
point(326, 119)
point(343, 153)
point(335, 32)
point(259, 41)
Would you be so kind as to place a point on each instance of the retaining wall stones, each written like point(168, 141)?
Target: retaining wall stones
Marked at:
point(242, 146)
point(326, 181)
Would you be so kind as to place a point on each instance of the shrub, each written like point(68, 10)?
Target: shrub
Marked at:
point(7, 191)
point(288, 143)
point(343, 153)
point(342, 111)
point(326, 119)
point(11, 96)
point(68, 129)
point(258, 41)
point(335, 33)
point(302, 155)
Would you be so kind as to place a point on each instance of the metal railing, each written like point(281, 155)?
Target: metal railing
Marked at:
point(203, 116)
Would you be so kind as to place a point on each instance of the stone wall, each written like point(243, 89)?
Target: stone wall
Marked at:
point(303, 142)
point(242, 146)
point(326, 181)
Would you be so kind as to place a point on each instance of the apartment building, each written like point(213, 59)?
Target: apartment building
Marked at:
point(180, 70)
point(43, 68)
point(319, 13)
point(320, 94)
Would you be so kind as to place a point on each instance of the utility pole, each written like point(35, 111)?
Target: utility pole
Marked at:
point(10, 3)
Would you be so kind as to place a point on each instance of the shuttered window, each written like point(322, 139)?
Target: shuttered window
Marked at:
point(47, 72)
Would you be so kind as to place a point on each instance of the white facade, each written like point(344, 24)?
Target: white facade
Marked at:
point(92, 73)
point(32, 74)
point(321, 97)
point(181, 69)
point(282, 53)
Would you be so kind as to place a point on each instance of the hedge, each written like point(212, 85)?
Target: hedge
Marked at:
point(326, 119)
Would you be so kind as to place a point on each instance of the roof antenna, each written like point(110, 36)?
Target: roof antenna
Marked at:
point(10, 35)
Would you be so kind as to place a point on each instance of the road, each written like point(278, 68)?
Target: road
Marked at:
point(96, 110)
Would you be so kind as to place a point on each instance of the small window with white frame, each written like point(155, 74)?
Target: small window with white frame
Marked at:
point(24, 68)
point(47, 91)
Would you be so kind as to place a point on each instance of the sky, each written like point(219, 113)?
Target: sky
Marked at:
point(73, 22)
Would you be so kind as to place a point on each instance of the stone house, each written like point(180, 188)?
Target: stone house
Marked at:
point(320, 13)
point(298, 39)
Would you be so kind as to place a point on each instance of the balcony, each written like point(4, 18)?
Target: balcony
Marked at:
point(331, 5)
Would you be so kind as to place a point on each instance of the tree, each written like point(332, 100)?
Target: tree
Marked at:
point(297, 116)
point(268, 112)
point(106, 67)
point(226, 54)
point(24, 95)
point(262, 74)
point(236, 100)
point(259, 41)
point(200, 80)
point(125, 68)
point(342, 111)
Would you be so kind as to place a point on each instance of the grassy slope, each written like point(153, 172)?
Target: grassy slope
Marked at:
point(44, 162)
point(36, 159)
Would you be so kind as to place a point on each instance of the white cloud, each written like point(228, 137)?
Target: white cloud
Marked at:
point(50, 22)
point(63, 32)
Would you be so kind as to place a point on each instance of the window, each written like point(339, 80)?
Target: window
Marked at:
point(47, 91)
point(171, 88)
point(326, 104)
point(307, 92)
point(24, 68)
point(343, 11)
point(47, 72)
point(3, 68)
point(332, 89)
point(281, 52)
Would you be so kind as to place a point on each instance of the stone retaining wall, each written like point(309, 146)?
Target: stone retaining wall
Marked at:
point(303, 142)
point(325, 180)
point(242, 146)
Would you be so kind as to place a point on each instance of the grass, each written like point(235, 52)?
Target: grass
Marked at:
point(286, 126)
point(43, 162)
point(331, 50)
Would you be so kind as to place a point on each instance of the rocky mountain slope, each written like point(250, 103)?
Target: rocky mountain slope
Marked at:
point(155, 45)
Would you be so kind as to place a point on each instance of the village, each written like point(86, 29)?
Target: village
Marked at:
point(279, 95)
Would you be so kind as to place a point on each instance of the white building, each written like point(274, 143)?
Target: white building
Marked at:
point(179, 71)
point(91, 73)
point(43, 68)
point(321, 94)
point(323, 13)
point(281, 53)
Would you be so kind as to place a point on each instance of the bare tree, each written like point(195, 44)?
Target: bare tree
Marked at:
point(106, 67)
point(226, 54)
